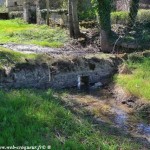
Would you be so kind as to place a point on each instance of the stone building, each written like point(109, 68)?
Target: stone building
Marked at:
point(124, 5)
point(14, 5)
point(2, 2)
point(34, 12)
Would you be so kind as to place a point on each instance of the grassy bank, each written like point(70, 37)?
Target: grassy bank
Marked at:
point(137, 83)
point(122, 17)
point(37, 118)
point(10, 58)
point(18, 31)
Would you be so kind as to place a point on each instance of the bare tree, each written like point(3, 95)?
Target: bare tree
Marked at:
point(38, 13)
point(71, 28)
point(48, 14)
point(73, 19)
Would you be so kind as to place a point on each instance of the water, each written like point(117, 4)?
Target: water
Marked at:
point(118, 114)
point(128, 124)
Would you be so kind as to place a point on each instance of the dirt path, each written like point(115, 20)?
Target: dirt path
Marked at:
point(66, 50)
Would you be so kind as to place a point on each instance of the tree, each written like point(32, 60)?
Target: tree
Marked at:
point(47, 16)
point(38, 13)
point(73, 19)
point(104, 11)
point(134, 6)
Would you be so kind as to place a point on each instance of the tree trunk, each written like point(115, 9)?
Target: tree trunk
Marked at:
point(73, 19)
point(26, 13)
point(38, 13)
point(104, 10)
point(47, 16)
point(71, 28)
point(105, 42)
point(134, 6)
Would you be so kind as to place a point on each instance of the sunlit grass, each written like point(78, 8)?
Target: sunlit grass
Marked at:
point(38, 118)
point(9, 58)
point(17, 31)
point(137, 83)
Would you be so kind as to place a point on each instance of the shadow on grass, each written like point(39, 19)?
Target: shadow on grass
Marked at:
point(30, 117)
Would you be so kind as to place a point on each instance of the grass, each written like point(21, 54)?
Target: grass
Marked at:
point(17, 31)
point(30, 117)
point(137, 83)
point(121, 17)
point(10, 58)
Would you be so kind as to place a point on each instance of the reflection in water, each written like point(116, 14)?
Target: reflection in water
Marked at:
point(121, 119)
point(144, 129)
point(124, 121)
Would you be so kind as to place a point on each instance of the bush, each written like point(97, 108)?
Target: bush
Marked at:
point(121, 17)
point(143, 16)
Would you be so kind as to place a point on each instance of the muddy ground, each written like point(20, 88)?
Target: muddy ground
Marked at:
point(104, 109)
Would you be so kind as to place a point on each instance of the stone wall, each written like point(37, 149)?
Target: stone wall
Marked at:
point(124, 5)
point(2, 2)
point(60, 74)
point(57, 17)
point(14, 5)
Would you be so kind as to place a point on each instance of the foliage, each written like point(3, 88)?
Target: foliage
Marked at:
point(138, 82)
point(18, 31)
point(37, 118)
point(86, 11)
point(121, 17)
point(143, 16)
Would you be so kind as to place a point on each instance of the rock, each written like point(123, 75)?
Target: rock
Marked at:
point(132, 32)
point(97, 85)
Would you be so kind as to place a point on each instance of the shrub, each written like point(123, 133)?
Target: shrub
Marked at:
point(121, 17)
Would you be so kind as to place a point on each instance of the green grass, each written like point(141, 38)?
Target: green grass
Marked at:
point(122, 17)
point(137, 83)
point(17, 31)
point(38, 118)
point(10, 58)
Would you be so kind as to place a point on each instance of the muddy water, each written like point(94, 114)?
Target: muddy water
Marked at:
point(102, 104)
point(131, 124)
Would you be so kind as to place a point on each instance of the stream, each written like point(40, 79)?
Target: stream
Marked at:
point(103, 105)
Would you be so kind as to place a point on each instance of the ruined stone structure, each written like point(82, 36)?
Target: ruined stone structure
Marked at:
point(14, 5)
point(60, 73)
point(57, 17)
point(32, 12)
point(124, 5)
point(2, 2)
